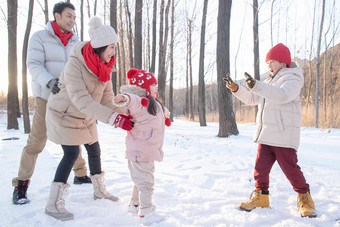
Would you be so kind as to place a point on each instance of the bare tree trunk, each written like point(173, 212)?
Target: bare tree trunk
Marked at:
point(172, 61)
point(227, 123)
point(310, 58)
point(191, 100)
point(138, 55)
point(88, 9)
point(236, 55)
point(256, 46)
point(187, 78)
point(129, 33)
point(95, 8)
point(12, 96)
point(154, 28)
point(25, 111)
point(46, 11)
point(113, 23)
point(326, 60)
point(104, 11)
point(318, 67)
point(271, 23)
point(201, 84)
point(121, 33)
point(81, 20)
point(146, 41)
point(163, 42)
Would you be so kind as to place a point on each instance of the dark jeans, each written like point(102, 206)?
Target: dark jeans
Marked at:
point(70, 156)
point(287, 160)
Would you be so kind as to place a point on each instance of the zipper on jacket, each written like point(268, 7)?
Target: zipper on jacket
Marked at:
point(264, 102)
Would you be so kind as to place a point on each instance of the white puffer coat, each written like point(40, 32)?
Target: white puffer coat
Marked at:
point(279, 108)
point(46, 58)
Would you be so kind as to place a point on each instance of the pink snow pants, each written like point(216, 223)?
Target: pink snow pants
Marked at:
point(287, 160)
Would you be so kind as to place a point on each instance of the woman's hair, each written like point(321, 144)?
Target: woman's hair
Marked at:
point(100, 50)
point(152, 108)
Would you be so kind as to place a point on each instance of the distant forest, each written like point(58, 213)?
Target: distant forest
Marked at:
point(329, 95)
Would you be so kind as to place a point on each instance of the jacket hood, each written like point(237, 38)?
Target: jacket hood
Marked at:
point(296, 71)
point(132, 89)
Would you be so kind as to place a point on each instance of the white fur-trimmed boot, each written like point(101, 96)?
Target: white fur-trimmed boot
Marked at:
point(55, 206)
point(99, 188)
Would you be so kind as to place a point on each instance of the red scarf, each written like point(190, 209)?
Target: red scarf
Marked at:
point(96, 65)
point(63, 37)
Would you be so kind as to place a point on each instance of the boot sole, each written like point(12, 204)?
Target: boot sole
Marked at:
point(21, 201)
point(115, 199)
point(244, 209)
point(248, 210)
point(309, 216)
point(61, 216)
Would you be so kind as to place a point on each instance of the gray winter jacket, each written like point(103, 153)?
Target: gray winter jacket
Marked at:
point(279, 108)
point(46, 58)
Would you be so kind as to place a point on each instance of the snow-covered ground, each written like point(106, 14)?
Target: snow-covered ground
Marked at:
point(201, 181)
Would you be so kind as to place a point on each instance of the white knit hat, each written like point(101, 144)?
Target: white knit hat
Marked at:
point(100, 34)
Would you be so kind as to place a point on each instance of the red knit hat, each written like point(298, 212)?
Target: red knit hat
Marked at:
point(279, 53)
point(142, 79)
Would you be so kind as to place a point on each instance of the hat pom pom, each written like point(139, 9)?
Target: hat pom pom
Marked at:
point(130, 73)
point(95, 22)
point(167, 122)
point(145, 102)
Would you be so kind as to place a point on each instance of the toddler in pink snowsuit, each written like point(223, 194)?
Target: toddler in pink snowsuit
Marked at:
point(144, 142)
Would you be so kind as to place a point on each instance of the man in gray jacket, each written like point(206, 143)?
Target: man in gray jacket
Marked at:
point(47, 54)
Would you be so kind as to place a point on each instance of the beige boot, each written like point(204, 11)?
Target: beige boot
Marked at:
point(258, 200)
point(306, 205)
point(56, 203)
point(99, 188)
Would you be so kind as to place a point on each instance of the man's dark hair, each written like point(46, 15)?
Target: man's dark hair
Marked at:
point(60, 6)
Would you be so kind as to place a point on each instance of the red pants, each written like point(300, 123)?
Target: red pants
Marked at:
point(287, 160)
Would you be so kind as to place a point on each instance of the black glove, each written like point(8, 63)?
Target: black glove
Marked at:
point(250, 82)
point(54, 86)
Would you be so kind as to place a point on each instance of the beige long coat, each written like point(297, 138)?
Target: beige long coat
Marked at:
point(279, 108)
point(72, 113)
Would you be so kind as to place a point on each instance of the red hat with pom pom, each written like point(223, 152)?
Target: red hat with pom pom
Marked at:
point(142, 79)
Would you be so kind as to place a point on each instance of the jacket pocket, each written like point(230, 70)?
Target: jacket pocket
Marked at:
point(279, 120)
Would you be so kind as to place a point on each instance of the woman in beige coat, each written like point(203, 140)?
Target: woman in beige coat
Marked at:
point(85, 96)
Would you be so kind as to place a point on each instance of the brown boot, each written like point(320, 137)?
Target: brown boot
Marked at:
point(258, 200)
point(306, 205)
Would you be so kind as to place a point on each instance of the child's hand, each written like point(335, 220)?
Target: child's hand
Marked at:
point(230, 84)
point(119, 98)
point(250, 82)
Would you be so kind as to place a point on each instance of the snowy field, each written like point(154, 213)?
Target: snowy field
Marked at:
point(201, 181)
